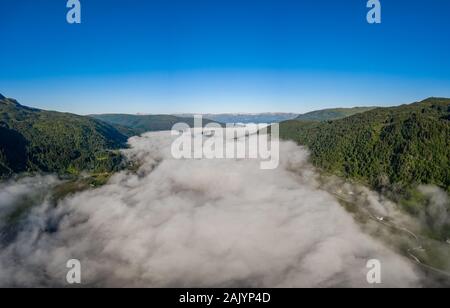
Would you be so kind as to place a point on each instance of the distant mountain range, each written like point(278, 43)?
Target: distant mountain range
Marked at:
point(246, 118)
point(276, 117)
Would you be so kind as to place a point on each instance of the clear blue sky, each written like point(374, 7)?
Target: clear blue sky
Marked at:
point(167, 56)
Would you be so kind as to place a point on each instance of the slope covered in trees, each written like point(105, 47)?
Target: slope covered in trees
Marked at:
point(38, 140)
point(394, 147)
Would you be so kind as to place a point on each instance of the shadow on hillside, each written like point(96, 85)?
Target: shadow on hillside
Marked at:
point(13, 149)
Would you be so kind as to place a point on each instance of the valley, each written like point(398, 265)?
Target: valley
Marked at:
point(408, 218)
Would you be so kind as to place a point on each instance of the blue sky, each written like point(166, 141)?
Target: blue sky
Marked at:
point(169, 56)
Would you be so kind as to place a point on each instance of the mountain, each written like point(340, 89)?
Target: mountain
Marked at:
point(246, 118)
point(332, 114)
point(385, 147)
point(138, 124)
point(38, 140)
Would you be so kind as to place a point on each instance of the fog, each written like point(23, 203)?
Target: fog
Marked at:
point(198, 223)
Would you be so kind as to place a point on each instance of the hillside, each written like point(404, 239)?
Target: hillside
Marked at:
point(332, 114)
point(385, 147)
point(38, 140)
point(138, 124)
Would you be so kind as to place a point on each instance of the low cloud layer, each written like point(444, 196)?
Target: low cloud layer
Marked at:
point(198, 223)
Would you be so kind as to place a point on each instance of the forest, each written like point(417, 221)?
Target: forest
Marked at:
point(394, 148)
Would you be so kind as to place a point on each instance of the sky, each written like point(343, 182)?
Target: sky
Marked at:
point(212, 56)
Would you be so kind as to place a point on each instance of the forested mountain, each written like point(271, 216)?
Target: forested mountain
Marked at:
point(384, 147)
point(332, 114)
point(38, 140)
point(138, 124)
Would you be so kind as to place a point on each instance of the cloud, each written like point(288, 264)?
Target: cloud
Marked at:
point(21, 193)
point(200, 223)
point(436, 212)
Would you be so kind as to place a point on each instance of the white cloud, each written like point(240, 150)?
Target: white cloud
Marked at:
point(200, 223)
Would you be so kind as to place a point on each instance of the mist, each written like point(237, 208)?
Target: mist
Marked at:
point(199, 223)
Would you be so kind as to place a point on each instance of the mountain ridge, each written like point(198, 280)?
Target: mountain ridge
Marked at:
point(246, 118)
